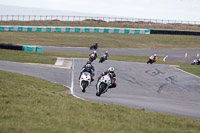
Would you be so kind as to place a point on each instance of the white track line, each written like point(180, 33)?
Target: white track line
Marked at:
point(165, 58)
point(72, 82)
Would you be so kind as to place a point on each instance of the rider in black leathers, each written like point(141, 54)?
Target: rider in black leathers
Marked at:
point(94, 46)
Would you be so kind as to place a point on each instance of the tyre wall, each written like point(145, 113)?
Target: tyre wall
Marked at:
point(175, 32)
point(10, 46)
point(21, 47)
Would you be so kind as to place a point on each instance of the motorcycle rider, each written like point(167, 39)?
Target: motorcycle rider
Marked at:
point(95, 54)
point(89, 62)
point(112, 75)
point(106, 54)
point(88, 68)
point(94, 46)
point(153, 58)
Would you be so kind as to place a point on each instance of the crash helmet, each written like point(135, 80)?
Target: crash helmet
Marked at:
point(111, 69)
point(88, 62)
point(154, 55)
point(88, 67)
point(106, 52)
point(94, 52)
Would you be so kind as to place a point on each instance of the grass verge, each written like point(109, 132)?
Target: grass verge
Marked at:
point(35, 105)
point(106, 40)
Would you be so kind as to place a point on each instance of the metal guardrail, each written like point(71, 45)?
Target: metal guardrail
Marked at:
point(82, 18)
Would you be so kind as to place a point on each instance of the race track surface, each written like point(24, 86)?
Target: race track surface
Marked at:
point(159, 88)
point(156, 87)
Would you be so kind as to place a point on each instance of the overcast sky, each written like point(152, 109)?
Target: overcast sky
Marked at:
point(152, 9)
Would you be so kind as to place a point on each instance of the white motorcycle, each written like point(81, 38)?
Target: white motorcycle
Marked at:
point(103, 84)
point(85, 81)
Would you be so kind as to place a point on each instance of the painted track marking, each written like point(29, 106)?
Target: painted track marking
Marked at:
point(165, 58)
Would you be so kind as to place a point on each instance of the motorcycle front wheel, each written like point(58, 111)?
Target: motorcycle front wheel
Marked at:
point(102, 87)
point(84, 85)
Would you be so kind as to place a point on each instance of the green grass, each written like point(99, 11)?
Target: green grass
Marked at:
point(26, 57)
point(35, 105)
point(193, 70)
point(106, 40)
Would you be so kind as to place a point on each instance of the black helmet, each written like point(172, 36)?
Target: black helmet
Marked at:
point(88, 62)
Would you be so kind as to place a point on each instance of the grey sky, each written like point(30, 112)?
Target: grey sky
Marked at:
point(152, 9)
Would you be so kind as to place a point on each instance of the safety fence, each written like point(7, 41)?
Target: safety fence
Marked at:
point(74, 29)
point(85, 18)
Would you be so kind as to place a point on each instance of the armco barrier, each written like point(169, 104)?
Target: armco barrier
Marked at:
point(74, 29)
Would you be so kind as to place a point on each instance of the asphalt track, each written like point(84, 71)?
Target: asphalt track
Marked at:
point(156, 87)
point(174, 55)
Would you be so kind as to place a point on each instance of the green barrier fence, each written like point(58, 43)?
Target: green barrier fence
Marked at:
point(20, 29)
point(116, 30)
point(29, 29)
point(67, 29)
point(39, 49)
point(39, 29)
point(1, 28)
point(48, 29)
point(87, 29)
point(58, 29)
point(28, 48)
point(126, 31)
point(74, 29)
point(11, 28)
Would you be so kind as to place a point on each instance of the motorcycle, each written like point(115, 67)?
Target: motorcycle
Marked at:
point(103, 85)
point(195, 62)
point(150, 61)
point(85, 81)
point(92, 57)
point(103, 58)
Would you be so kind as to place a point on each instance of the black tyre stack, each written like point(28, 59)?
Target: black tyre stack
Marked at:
point(11, 46)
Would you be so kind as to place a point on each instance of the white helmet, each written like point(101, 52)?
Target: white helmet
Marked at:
point(154, 55)
point(111, 69)
point(94, 52)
